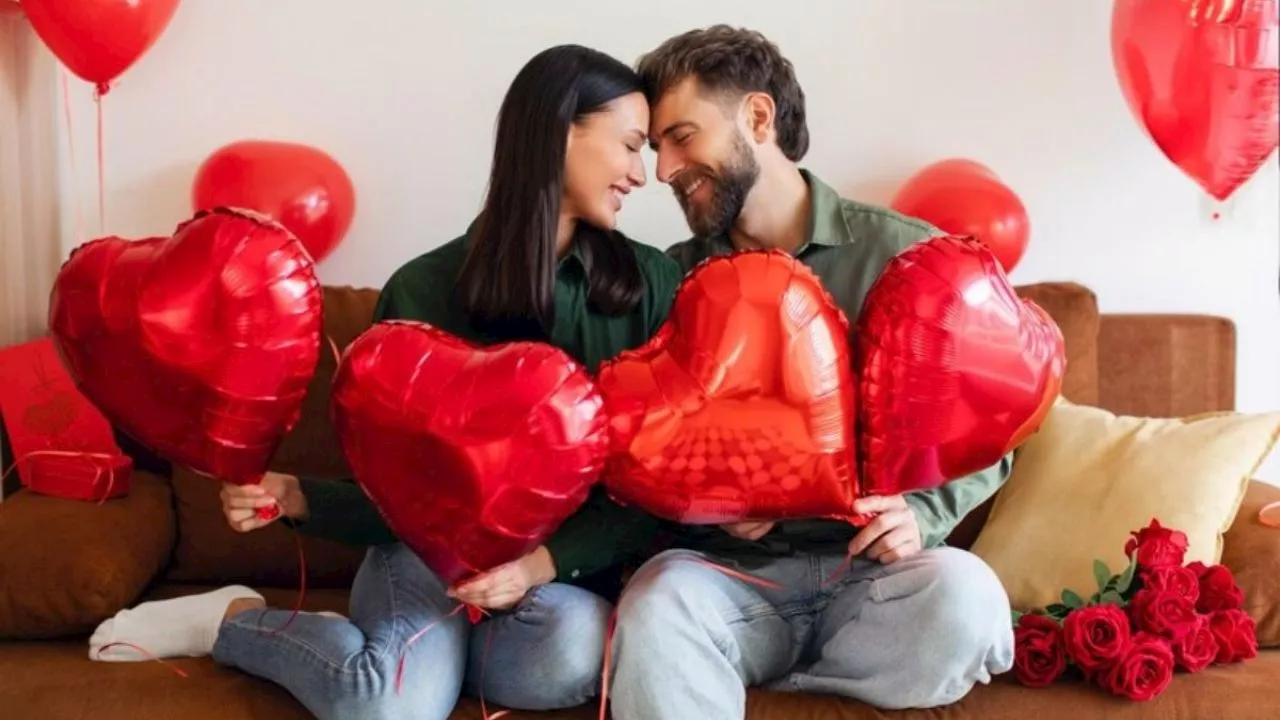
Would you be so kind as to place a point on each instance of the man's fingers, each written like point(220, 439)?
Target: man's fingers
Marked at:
point(878, 526)
point(878, 504)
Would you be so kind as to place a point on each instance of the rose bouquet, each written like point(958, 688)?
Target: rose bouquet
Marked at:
point(1155, 617)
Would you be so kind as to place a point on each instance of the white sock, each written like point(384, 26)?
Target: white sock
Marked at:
point(182, 627)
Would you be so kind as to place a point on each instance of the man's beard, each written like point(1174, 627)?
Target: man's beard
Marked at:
point(729, 190)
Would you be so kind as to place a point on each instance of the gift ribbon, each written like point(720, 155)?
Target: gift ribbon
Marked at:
point(111, 481)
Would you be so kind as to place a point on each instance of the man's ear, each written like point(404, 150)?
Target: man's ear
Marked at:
point(760, 115)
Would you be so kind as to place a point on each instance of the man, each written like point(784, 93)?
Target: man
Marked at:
point(905, 622)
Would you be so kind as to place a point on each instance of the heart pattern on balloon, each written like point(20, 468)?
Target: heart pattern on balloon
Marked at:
point(955, 370)
point(200, 345)
point(742, 405)
point(473, 455)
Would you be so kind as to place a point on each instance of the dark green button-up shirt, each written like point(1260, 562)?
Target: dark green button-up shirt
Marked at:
point(847, 246)
point(602, 534)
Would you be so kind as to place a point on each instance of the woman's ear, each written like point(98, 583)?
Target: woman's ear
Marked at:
point(760, 115)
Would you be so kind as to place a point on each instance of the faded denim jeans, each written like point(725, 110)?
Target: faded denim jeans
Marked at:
point(917, 633)
point(546, 653)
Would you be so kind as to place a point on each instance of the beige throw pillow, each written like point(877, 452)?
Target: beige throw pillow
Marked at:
point(1088, 478)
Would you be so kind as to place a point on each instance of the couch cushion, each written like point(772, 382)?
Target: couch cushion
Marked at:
point(1088, 478)
point(1252, 551)
point(67, 565)
point(311, 448)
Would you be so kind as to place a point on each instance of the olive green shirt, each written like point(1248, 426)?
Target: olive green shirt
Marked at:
point(848, 244)
point(601, 534)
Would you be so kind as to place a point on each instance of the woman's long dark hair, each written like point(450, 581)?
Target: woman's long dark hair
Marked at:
point(507, 281)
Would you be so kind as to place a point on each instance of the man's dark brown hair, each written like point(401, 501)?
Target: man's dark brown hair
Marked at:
point(732, 61)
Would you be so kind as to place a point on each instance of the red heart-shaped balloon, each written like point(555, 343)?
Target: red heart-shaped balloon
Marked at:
point(742, 405)
point(1202, 79)
point(955, 369)
point(199, 345)
point(473, 455)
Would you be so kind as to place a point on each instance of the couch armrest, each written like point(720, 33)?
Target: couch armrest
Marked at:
point(1165, 365)
point(1252, 551)
point(67, 565)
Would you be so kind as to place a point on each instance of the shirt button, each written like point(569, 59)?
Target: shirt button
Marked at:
point(575, 573)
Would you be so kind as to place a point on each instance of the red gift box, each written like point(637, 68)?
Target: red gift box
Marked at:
point(61, 444)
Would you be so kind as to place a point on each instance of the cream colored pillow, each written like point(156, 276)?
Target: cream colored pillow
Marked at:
point(1088, 478)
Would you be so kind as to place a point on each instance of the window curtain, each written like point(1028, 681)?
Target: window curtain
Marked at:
point(29, 215)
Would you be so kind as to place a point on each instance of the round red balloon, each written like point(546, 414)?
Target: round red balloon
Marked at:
point(964, 197)
point(99, 39)
point(741, 407)
point(199, 345)
point(301, 187)
point(1202, 80)
point(955, 370)
point(473, 455)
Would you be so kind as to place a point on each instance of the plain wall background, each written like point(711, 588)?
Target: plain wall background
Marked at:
point(404, 94)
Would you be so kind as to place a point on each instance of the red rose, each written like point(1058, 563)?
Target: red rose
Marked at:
point(1198, 649)
point(1164, 613)
point(1175, 579)
point(1039, 657)
point(1096, 636)
point(1236, 634)
point(1218, 590)
point(1144, 671)
point(1157, 546)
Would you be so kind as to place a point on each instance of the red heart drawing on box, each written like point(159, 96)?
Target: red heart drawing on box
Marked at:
point(955, 370)
point(473, 455)
point(200, 345)
point(741, 407)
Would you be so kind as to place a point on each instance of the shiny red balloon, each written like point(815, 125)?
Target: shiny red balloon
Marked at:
point(300, 187)
point(200, 345)
point(964, 197)
point(99, 39)
point(741, 407)
point(1203, 80)
point(955, 370)
point(473, 455)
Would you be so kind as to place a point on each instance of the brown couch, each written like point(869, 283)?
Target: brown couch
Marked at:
point(66, 565)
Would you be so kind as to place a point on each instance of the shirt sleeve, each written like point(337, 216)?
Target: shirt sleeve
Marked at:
point(940, 510)
point(601, 534)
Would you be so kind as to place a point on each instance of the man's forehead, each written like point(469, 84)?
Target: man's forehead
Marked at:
point(683, 102)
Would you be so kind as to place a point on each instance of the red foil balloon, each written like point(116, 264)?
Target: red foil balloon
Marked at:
point(99, 39)
point(964, 197)
point(200, 345)
point(300, 187)
point(1202, 80)
point(955, 369)
point(473, 455)
point(741, 407)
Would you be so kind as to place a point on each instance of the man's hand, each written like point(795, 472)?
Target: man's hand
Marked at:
point(748, 530)
point(894, 532)
point(240, 503)
point(506, 585)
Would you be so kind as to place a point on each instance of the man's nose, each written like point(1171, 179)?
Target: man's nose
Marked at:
point(669, 165)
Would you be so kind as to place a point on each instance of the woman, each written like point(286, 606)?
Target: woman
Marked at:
point(543, 262)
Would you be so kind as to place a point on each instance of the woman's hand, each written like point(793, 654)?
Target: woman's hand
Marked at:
point(748, 530)
point(506, 585)
point(240, 503)
point(892, 535)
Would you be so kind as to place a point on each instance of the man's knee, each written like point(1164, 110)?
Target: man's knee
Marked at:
point(667, 588)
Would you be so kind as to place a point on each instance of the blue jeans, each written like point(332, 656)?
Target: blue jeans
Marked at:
point(346, 668)
point(914, 634)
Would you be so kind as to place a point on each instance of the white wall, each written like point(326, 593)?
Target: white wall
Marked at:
point(404, 94)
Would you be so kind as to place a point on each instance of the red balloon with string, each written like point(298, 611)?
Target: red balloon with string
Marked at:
point(99, 39)
point(200, 345)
